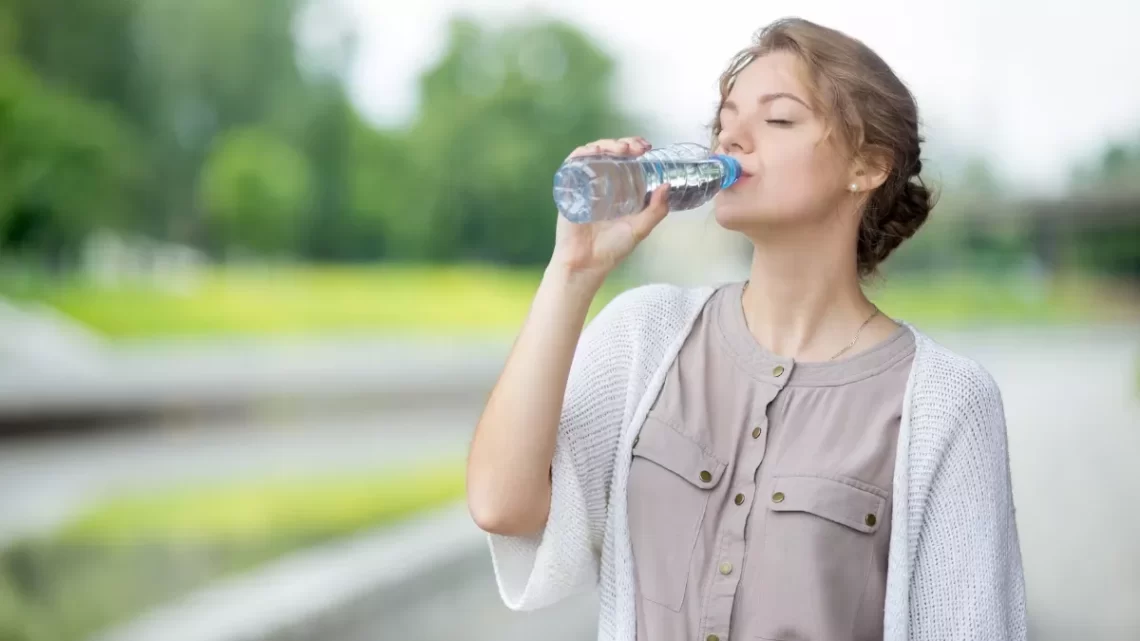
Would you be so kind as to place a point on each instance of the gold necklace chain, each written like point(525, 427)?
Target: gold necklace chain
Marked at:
point(858, 332)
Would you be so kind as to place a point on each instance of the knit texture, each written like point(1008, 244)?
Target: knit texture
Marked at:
point(954, 571)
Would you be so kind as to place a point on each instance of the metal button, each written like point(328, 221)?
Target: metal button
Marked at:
point(739, 500)
point(778, 497)
point(756, 432)
point(726, 568)
point(777, 371)
point(712, 637)
point(870, 520)
point(706, 476)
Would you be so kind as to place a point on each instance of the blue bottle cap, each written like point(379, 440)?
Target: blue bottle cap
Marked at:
point(732, 169)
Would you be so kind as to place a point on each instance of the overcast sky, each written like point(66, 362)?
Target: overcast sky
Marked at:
point(1036, 85)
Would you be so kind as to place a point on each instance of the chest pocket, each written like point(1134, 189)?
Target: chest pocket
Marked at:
point(671, 478)
point(819, 544)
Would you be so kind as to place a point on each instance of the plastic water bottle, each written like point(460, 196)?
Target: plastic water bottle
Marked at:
point(601, 187)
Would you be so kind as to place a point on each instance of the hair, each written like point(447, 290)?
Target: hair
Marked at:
point(872, 112)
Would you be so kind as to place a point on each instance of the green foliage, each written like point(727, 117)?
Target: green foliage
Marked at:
point(137, 551)
point(255, 187)
point(1114, 249)
point(68, 165)
point(1111, 250)
point(250, 139)
point(80, 46)
point(499, 113)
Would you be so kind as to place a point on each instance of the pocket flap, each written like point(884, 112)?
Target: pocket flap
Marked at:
point(859, 508)
point(661, 443)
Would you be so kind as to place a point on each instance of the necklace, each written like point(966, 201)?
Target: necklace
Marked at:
point(858, 332)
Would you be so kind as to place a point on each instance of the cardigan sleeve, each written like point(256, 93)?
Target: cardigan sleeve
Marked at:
point(537, 571)
point(967, 581)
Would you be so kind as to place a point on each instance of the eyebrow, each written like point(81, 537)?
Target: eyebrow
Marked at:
point(767, 98)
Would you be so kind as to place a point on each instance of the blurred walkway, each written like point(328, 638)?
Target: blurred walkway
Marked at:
point(1074, 430)
point(44, 480)
point(107, 379)
point(1073, 413)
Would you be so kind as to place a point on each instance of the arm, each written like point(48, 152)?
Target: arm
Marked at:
point(542, 455)
point(509, 464)
point(968, 583)
point(512, 455)
point(562, 558)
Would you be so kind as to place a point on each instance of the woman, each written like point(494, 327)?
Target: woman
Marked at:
point(774, 459)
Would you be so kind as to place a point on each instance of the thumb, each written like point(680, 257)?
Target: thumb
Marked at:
point(644, 221)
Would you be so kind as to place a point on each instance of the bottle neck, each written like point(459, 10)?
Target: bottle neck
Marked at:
point(731, 167)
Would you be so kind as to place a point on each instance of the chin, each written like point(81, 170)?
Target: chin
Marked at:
point(734, 217)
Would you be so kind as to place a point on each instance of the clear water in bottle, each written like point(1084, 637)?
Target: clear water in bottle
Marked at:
point(601, 187)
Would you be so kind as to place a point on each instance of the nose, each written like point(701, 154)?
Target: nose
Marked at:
point(733, 139)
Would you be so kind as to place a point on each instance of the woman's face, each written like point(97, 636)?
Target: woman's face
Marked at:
point(792, 171)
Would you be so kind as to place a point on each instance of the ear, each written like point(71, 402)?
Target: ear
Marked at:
point(869, 171)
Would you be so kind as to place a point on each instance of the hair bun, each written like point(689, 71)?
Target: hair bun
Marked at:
point(894, 221)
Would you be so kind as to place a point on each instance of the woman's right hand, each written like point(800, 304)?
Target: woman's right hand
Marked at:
point(593, 249)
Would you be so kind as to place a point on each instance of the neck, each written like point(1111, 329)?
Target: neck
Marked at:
point(804, 299)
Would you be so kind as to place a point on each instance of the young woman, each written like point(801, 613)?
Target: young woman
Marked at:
point(772, 459)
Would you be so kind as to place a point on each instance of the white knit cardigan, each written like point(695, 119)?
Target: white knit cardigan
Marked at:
point(954, 568)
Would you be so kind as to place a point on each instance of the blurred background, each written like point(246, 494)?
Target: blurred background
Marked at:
point(260, 262)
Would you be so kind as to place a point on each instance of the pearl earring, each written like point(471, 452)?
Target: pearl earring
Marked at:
point(854, 188)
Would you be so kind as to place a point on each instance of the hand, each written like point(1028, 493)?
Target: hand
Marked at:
point(594, 249)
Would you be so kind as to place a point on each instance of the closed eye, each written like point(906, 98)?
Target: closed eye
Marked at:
point(780, 123)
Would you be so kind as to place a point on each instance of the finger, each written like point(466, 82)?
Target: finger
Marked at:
point(644, 221)
point(605, 145)
point(621, 147)
point(586, 150)
point(636, 144)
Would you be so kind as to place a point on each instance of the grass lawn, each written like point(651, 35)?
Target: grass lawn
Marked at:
point(972, 300)
point(475, 300)
point(138, 551)
point(452, 301)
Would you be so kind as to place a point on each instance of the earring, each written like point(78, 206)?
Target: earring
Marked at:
point(853, 187)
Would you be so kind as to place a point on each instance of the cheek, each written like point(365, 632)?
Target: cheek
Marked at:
point(794, 179)
point(793, 171)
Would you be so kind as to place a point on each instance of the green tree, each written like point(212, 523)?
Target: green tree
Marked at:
point(208, 66)
point(181, 73)
point(389, 206)
point(254, 188)
point(68, 167)
point(498, 114)
point(1111, 249)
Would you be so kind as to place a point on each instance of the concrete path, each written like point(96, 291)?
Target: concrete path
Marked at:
point(1074, 431)
point(45, 480)
point(1073, 414)
point(124, 379)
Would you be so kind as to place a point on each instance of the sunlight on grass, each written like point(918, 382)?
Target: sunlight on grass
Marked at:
point(470, 301)
point(134, 552)
point(456, 301)
point(976, 299)
point(261, 509)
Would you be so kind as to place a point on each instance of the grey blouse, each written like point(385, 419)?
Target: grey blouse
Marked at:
point(759, 492)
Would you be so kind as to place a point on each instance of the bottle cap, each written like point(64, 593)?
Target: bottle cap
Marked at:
point(732, 170)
